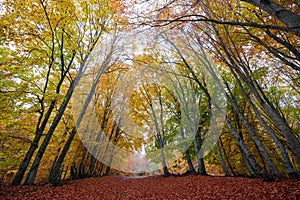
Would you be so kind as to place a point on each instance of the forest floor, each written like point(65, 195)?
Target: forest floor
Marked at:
point(185, 187)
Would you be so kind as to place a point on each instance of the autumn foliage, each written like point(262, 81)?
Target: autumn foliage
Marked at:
point(94, 89)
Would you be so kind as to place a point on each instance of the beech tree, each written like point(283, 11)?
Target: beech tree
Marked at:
point(221, 34)
point(151, 99)
point(64, 39)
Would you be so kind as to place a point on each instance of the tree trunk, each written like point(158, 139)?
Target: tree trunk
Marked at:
point(281, 124)
point(110, 161)
point(245, 152)
point(34, 145)
point(91, 166)
point(201, 167)
point(292, 141)
point(187, 154)
point(40, 128)
point(34, 168)
point(259, 145)
point(163, 160)
point(284, 15)
point(221, 160)
point(35, 165)
point(248, 165)
point(268, 108)
point(100, 169)
point(286, 160)
point(65, 173)
point(226, 157)
point(93, 160)
point(189, 161)
point(55, 179)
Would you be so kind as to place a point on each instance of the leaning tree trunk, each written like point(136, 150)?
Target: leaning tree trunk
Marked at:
point(291, 19)
point(55, 178)
point(291, 140)
point(163, 159)
point(219, 151)
point(247, 155)
point(260, 146)
point(201, 167)
point(24, 164)
point(110, 161)
point(189, 161)
point(187, 154)
point(281, 124)
point(94, 149)
point(100, 170)
point(206, 63)
point(286, 160)
point(43, 120)
point(226, 157)
point(222, 160)
point(248, 165)
point(92, 159)
point(34, 167)
point(258, 143)
point(267, 106)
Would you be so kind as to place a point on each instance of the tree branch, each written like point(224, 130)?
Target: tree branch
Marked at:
point(202, 18)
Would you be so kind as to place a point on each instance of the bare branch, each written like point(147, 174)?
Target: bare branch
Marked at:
point(202, 18)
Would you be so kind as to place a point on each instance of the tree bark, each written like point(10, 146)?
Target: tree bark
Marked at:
point(201, 167)
point(99, 135)
point(260, 146)
point(262, 98)
point(281, 123)
point(291, 19)
point(222, 160)
point(93, 160)
point(163, 159)
point(226, 157)
point(34, 168)
point(189, 161)
point(286, 160)
point(55, 178)
point(34, 145)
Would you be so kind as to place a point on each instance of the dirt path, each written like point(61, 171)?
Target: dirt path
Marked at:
point(188, 187)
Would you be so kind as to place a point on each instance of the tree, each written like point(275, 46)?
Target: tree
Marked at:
point(100, 68)
point(38, 44)
point(150, 97)
point(64, 39)
point(237, 57)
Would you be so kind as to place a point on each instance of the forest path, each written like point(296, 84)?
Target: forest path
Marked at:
point(186, 187)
